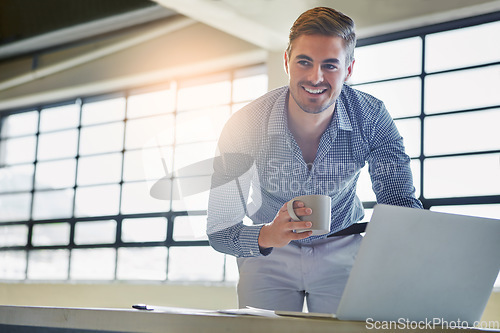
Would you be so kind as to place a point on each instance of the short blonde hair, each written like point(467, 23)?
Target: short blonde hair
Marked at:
point(325, 21)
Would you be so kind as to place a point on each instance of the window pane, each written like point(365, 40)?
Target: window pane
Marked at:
point(203, 96)
point(95, 232)
point(93, 264)
point(232, 273)
point(397, 58)
point(67, 116)
point(137, 199)
point(19, 124)
point(462, 176)
point(474, 87)
point(189, 228)
point(489, 211)
point(18, 178)
point(15, 207)
point(150, 132)
point(51, 234)
point(191, 193)
point(48, 265)
point(463, 132)
point(144, 230)
point(195, 263)
point(142, 263)
point(103, 111)
point(53, 204)
point(410, 131)
point(20, 150)
point(101, 139)
point(442, 48)
point(153, 103)
point(57, 145)
point(148, 163)
point(201, 125)
point(13, 265)
point(100, 169)
point(13, 235)
point(401, 97)
point(249, 88)
point(97, 200)
point(194, 159)
point(56, 174)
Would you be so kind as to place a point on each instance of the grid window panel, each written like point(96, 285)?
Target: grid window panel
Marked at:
point(462, 90)
point(16, 178)
point(195, 263)
point(101, 138)
point(57, 118)
point(15, 207)
point(101, 169)
point(93, 264)
point(485, 210)
point(103, 111)
point(201, 125)
point(97, 200)
point(13, 235)
point(25, 123)
point(150, 132)
point(136, 198)
point(55, 174)
point(151, 103)
point(153, 229)
point(410, 131)
point(18, 150)
point(53, 204)
point(205, 95)
point(191, 193)
point(397, 58)
point(249, 88)
point(442, 48)
point(402, 97)
point(12, 265)
point(231, 269)
point(462, 176)
point(57, 145)
point(148, 164)
point(194, 159)
point(48, 264)
point(95, 232)
point(464, 132)
point(142, 263)
point(51, 234)
point(190, 228)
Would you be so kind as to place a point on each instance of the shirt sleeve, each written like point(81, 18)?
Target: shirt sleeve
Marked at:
point(234, 173)
point(389, 165)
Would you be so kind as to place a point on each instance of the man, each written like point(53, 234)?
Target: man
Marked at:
point(311, 137)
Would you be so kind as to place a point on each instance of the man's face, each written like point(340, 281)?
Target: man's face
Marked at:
point(317, 70)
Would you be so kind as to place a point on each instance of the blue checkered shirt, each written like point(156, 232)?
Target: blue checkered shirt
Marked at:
point(261, 167)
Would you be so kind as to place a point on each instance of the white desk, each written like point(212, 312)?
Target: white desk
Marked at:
point(25, 319)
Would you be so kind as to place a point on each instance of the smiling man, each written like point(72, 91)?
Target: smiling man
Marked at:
point(310, 137)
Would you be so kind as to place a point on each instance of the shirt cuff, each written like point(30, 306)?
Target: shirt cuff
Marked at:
point(249, 242)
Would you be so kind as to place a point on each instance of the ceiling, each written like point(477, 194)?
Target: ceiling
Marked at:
point(28, 26)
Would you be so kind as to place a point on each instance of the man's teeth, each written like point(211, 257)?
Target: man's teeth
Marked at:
point(314, 91)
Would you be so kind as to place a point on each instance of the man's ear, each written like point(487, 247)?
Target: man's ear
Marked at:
point(349, 70)
point(286, 64)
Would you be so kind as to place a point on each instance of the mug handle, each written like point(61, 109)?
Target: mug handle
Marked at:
point(291, 212)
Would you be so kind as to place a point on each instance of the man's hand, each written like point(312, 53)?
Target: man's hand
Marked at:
point(280, 231)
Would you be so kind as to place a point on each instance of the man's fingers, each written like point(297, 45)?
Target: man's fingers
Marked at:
point(299, 225)
point(301, 235)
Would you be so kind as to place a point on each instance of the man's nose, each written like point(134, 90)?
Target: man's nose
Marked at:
point(316, 75)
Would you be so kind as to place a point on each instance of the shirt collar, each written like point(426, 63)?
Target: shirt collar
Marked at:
point(278, 120)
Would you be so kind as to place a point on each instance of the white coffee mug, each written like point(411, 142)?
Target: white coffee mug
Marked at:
point(321, 216)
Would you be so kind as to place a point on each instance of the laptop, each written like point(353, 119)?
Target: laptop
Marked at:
point(417, 265)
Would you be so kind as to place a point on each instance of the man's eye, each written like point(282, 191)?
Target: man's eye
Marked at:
point(304, 62)
point(330, 67)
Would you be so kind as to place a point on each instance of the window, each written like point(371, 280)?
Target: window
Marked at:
point(75, 182)
point(446, 105)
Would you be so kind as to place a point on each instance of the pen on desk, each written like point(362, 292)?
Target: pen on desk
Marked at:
point(142, 307)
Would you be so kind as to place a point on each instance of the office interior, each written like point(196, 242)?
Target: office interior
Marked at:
point(100, 100)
